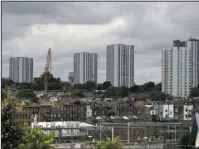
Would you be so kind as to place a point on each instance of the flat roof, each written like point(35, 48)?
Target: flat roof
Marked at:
point(63, 123)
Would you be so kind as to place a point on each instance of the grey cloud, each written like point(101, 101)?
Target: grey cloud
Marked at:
point(28, 8)
point(20, 15)
point(10, 31)
point(144, 28)
point(53, 12)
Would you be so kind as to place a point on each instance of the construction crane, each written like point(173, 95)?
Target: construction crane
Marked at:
point(47, 71)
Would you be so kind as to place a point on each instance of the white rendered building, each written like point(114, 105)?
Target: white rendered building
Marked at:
point(88, 111)
point(72, 128)
point(85, 67)
point(163, 111)
point(180, 68)
point(21, 69)
point(187, 111)
point(120, 65)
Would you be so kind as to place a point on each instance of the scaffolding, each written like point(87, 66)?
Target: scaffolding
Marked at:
point(147, 132)
point(76, 134)
point(131, 133)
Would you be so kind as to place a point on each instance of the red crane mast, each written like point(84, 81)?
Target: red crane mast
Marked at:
point(47, 71)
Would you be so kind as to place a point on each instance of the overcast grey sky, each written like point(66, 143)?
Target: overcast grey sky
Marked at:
point(30, 28)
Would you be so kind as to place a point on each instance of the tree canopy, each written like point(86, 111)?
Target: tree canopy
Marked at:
point(14, 136)
point(90, 85)
point(79, 94)
point(123, 91)
point(134, 89)
point(110, 93)
point(24, 86)
point(99, 87)
point(149, 86)
point(158, 96)
point(11, 133)
point(53, 83)
point(106, 85)
point(78, 86)
point(194, 92)
point(108, 144)
point(27, 94)
point(6, 82)
point(35, 138)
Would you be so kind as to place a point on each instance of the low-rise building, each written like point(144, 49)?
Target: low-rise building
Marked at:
point(64, 130)
point(74, 112)
point(187, 111)
point(162, 111)
point(88, 111)
point(65, 112)
point(101, 109)
point(22, 117)
point(175, 110)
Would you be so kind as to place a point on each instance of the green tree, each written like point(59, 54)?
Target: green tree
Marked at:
point(148, 86)
point(24, 86)
point(106, 85)
point(194, 92)
point(6, 83)
point(90, 85)
point(79, 94)
point(11, 133)
point(158, 87)
point(38, 84)
point(27, 94)
point(35, 138)
point(110, 93)
point(66, 85)
point(108, 144)
point(53, 83)
point(134, 89)
point(184, 140)
point(14, 136)
point(123, 91)
point(78, 86)
point(158, 96)
point(99, 87)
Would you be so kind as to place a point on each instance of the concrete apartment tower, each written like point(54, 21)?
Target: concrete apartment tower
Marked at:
point(85, 67)
point(180, 68)
point(21, 69)
point(120, 65)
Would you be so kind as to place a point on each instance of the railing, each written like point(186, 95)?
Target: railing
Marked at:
point(144, 123)
point(175, 146)
point(86, 145)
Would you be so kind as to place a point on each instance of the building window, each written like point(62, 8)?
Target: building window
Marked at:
point(176, 109)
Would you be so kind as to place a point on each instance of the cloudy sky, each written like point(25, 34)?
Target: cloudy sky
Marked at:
point(30, 28)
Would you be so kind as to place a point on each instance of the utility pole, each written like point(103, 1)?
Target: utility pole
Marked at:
point(100, 132)
point(112, 133)
point(128, 132)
